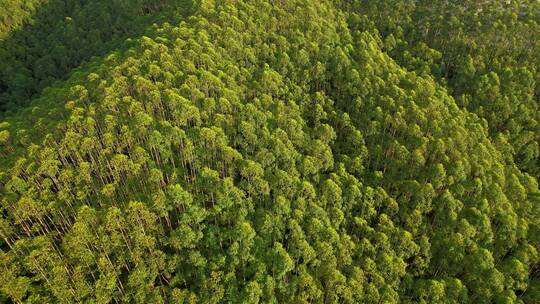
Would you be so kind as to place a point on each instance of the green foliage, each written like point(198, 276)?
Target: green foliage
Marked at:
point(271, 152)
point(16, 13)
point(484, 52)
point(45, 40)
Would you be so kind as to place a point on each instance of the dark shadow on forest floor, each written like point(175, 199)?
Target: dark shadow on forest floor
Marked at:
point(64, 34)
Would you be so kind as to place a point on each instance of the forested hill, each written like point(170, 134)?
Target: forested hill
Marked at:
point(484, 52)
point(50, 38)
point(287, 151)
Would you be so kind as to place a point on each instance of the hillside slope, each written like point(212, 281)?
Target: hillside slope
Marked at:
point(484, 52)
point(53, 37)
point(260, 152)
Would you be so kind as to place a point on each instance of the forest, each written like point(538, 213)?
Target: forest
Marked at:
point(270, 151)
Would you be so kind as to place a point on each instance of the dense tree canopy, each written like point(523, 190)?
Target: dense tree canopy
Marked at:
point(246, 151)
point(485, 53)
point(16, 13)
point(59, 35)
